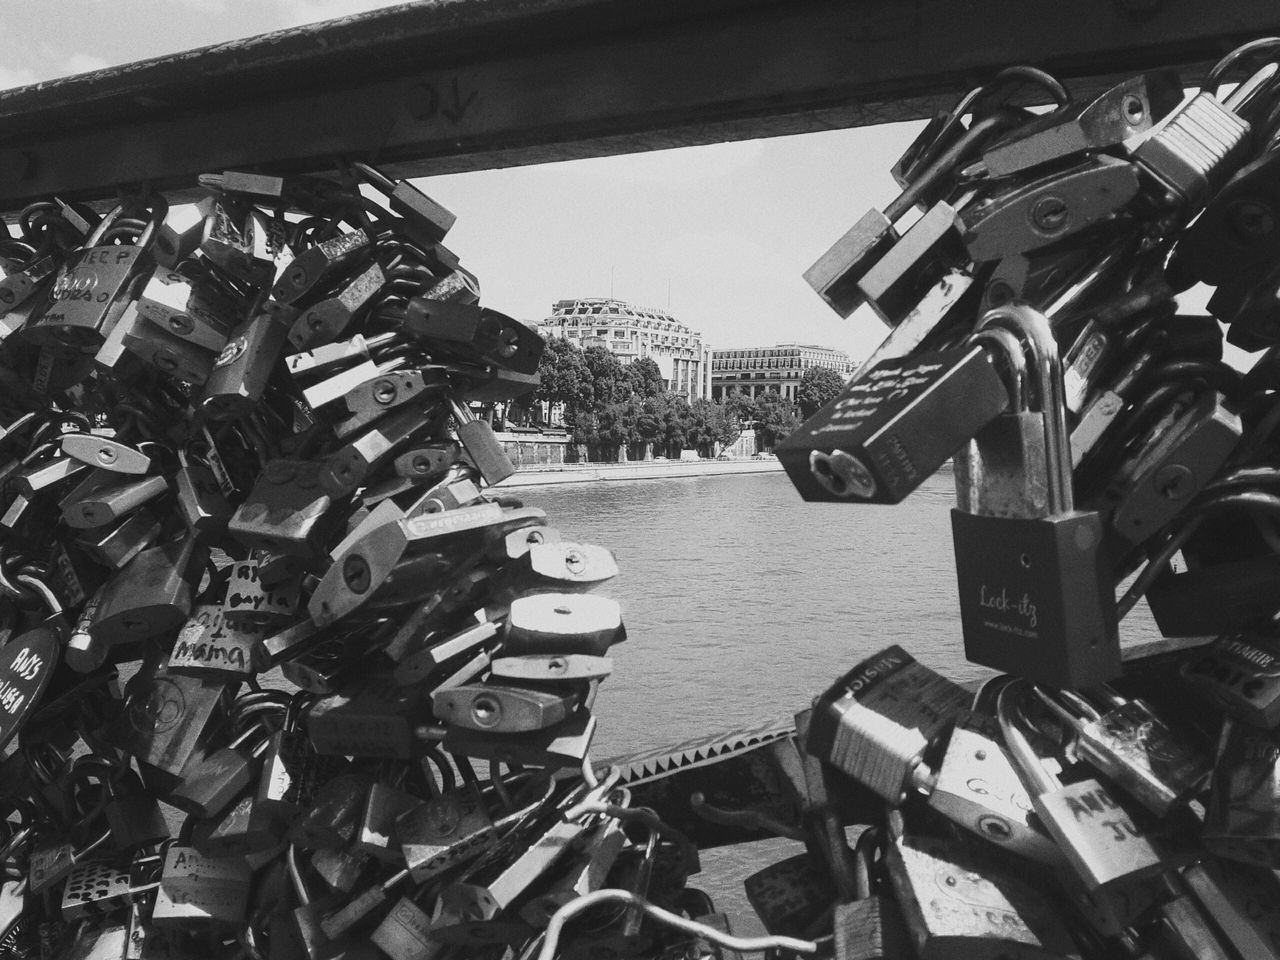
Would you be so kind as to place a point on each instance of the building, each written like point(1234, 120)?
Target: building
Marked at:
point(756, 370)
point(631, 332)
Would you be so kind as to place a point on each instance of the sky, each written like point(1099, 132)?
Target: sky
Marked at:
point(718, 235)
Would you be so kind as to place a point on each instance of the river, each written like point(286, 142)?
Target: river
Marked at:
point(742, 602)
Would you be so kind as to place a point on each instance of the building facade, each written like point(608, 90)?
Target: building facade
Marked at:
point(756, 370)
point(630, 332)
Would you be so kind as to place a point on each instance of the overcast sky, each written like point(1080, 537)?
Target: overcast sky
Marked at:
point(721, 233)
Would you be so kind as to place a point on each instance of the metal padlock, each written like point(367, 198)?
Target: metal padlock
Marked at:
point(481, 446)
point(1036, 598)
point(869, 927)
point(790, 896)
point(977, 788)
point(210, 644)
point(1032, 214)
point(1091, 827)
point(959, 900)
point(152, 595)
point(197, 889)
point(837, 273)
point(324, 321)
point(878, 721)
point(504, 707)
point(562, 623)
point(474, 334)
point(1240, 674)
point(91, 288)
point(1002, 471)
point(199, 310)
point(1199, 147)
point(325, 261)
point(893, 426)
point(211, 780)
point(241, 371)
point(1132, 106)
point(288, 511)
point(1133, 748)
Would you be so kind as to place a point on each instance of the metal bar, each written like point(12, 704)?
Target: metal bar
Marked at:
point(450, 85)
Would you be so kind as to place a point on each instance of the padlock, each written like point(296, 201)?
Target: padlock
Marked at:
point(327, 260)
point(229, 241)
point(372, 398)
point(869, 927)
point(405, 933)
point(105, 453)
point(562, 623)
point(837, 273)
point(487, 892)
point(1032, 214)
point(551, 666)
point(445, 831)
point(481, 446)
point(339, 868)
point(1132, 106)
point(892, 428)
point(425, 218)
point(52, 862)
point(246, 830)
point(288, 511)
point(350, 465)
point(371, 716)
point(210, 644)
point(1133, 748)
point(212, 779)
point(195, 889)
point(152, 594)
point(1188, 933)
point(133, 813)
point(881, 719)
point(376, 834)
point(1241, 901)
point(588, 870)
point(1002, 471)
point(1173, 466)
point(1235, 238)
point(250, 601)
point(325, 320)
point(1242, 819)
point(504, 707)
point(199, 310)
point(790, 896)
point(473, 334)
point(105, 501)
point(241, 371)
point(1198, 148)
point(1240, 674)
point(977, 788)
point(92, 287)
point(1096, 835)
point(356, 574)
point(959, 900)
point(1035, 597)
point(291, 771)
point(93, 889)
point(332, 818)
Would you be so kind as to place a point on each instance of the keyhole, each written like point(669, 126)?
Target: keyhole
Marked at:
point(1025, 560)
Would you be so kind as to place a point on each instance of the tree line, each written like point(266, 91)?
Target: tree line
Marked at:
point(610, 408)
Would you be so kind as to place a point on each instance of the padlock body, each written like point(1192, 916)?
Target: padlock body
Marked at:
point(893, 427)
point(1035, 600)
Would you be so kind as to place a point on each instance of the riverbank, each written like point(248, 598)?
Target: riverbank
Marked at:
point(636, 470)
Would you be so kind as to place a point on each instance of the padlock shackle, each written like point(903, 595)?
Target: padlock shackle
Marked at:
point(1011, 349)
point(1036, 778)
point(1033, 327)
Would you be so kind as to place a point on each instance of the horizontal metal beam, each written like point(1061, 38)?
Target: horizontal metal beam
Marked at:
point(451, 85)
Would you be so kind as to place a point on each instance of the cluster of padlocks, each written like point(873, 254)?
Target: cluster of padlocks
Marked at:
point(1080, 803)
point(231, 478)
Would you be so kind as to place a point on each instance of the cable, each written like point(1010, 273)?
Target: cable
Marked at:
point(673, 920)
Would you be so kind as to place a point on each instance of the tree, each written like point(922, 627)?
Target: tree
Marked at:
point(818, 387)
point(775, 419)
point(644, 377)
point(564, 378)
point(608, 377)
point(710, 423)
point(741, 408)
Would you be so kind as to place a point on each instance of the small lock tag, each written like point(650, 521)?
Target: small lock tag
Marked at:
point(194, 887)
point(210, 643)
point(250, 601)
point(893, 427)
point(878, 720)
point(445, 831)
point(94, 889)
